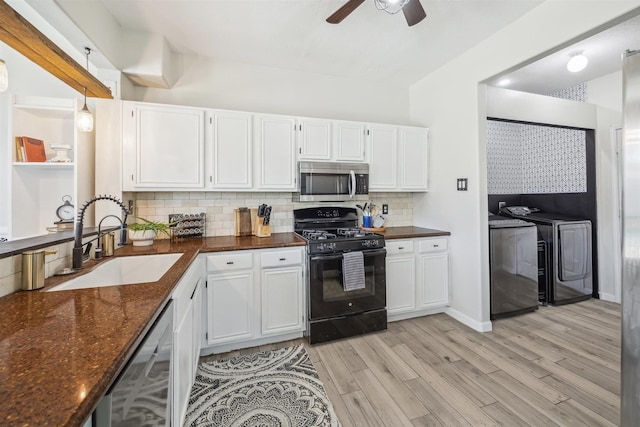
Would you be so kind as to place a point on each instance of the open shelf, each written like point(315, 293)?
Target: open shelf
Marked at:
point(44, 165)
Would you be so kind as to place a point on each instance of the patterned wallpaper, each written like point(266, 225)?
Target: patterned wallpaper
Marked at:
point(504, 157)
point(529, 159)
point(573, 93)
point(555, 160)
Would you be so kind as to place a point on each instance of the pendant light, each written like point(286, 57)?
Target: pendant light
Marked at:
point(85, 118)
point(4, 76)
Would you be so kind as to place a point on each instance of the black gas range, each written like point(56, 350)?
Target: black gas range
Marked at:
point(341, 240)
point(346, 274)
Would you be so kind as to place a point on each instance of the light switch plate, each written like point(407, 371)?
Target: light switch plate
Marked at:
point(462, 184)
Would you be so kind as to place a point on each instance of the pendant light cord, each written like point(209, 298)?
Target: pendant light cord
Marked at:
point(87, 51)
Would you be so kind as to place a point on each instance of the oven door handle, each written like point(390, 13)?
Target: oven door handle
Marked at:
point(352, 184)
point(338, 256)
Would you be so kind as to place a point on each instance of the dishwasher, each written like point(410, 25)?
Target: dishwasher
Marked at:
point(140, 395)
point(513, 259)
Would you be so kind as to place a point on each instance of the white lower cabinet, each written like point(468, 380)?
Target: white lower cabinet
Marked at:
point(230, 307)
point(186, 338)
point(253, 297)
point(281, 287)
point(401, 277)
point(417, 277)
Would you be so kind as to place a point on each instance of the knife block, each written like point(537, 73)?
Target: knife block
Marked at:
point(259, 230)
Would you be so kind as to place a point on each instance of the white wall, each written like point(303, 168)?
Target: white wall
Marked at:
point(606, 92)
point(609, 257)
point(451, 102)
point(238, 86)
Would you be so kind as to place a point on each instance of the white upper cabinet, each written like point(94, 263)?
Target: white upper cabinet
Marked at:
point(275, 148)
point(229, 160)
point(163, 146)
point(413, 158)
point(348, 139)
point(397, 158)
point(314, 139)
point(383, 155)
point(175, 148)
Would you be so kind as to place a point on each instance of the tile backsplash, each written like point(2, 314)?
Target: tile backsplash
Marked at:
point(11, 267)
point(219, 208)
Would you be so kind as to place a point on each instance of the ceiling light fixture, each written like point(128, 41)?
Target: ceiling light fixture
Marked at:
point(391, 6)
point(85, 118)
point(4, 76)
point(577, 61)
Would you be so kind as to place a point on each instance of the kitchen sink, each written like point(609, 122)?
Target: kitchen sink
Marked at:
point(124, 270)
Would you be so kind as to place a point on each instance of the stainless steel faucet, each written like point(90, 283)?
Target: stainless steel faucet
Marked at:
point(123, 234)
point(78, 255)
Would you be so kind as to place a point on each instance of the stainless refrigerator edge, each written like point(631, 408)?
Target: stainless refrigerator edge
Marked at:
point(630, 399)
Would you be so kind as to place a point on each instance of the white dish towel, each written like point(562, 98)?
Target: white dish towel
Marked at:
point(353, 271)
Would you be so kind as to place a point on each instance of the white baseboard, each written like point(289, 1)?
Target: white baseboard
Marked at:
point(466, 320)
point(608, 297)
point(224, 348)
point(417, 313)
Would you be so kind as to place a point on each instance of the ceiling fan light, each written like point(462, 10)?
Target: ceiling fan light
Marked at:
point(577, 62)
point(4, 76)
point(391, 6)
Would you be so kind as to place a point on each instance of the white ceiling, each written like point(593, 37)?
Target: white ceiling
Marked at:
point(293, 34)
point(604, 51)
point(368, 44)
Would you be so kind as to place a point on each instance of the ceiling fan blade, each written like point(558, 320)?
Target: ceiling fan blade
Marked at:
point(344, 11)
point(413, 12)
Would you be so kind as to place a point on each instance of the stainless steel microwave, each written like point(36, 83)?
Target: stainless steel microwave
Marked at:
point(331, 181)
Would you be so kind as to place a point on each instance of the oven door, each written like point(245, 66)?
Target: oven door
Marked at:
point(327, 297)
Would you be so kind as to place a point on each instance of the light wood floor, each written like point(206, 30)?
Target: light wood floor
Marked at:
point(557, 366)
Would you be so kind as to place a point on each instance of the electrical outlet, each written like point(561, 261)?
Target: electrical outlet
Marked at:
point(501, 205)
point(385, 209)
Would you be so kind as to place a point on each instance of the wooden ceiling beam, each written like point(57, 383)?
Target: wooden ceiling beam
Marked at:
point(19, 34)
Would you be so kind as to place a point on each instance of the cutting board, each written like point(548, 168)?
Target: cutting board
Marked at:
point(243, 222)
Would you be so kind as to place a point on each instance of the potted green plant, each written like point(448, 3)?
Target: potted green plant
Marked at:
point(144, 232)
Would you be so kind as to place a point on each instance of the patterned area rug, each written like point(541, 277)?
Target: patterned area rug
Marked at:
point(278, 388)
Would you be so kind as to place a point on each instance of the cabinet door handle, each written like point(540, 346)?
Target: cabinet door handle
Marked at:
point(194, 291)
point(400, 248)
point(435, 246)
point(283, 259)
point(229, 262)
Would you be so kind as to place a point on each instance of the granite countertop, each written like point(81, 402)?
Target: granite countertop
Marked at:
point(60, 351)
point(412, 232)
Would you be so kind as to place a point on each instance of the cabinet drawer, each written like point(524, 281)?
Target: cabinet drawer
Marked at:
point(395, 247)
point(281, 258)
point(230, 261)
point(433, 245)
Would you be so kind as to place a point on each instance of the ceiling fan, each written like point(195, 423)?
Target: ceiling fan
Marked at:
point(412, 9)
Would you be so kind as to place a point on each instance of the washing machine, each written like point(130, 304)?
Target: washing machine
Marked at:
point(569, 256)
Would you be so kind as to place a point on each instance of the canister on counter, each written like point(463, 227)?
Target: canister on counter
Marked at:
point(33, 269)
point(108, 244)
